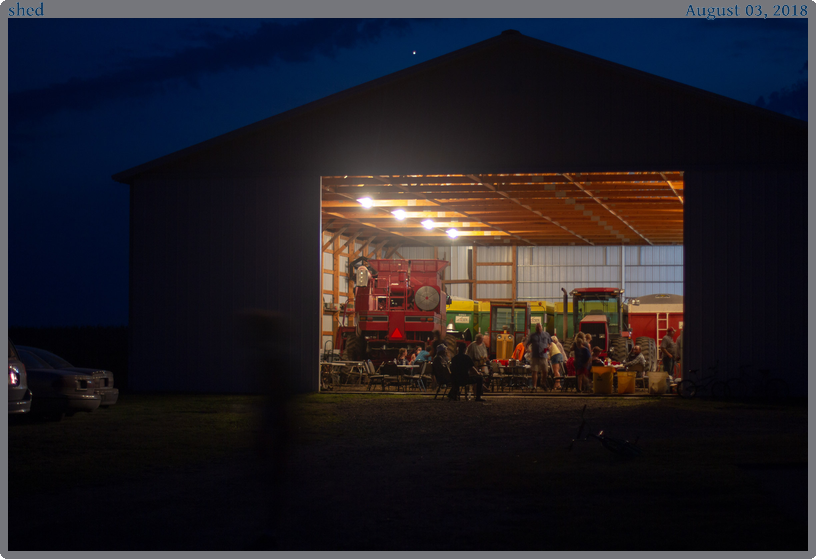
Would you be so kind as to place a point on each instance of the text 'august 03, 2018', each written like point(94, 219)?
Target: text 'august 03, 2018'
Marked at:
point(749, 10)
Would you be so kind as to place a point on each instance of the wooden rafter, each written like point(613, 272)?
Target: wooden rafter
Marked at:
point(495, 189)
point(333, 237)
point(523, 208)
point(607, 208)
point(465, 214)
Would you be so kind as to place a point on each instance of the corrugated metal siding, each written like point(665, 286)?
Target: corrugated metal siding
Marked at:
point(458, 269)
point(207, 251)
point(416, 253)
point(740, 251)
point(543, 271)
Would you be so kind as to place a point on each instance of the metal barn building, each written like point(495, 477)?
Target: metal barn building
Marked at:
point(542, 153)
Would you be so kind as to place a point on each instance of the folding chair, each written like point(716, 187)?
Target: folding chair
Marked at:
point(639, 378)
point(418, 374)
point(391, 375)
point(443, 379)
point(374, 376)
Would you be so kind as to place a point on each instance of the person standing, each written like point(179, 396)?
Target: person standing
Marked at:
point(679, 344)
point(582, 358)
point(669, 349)
point(539, 346)
point(518, 353)
point(557, 359)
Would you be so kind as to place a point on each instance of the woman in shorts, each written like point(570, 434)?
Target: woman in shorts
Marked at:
point(556, 360)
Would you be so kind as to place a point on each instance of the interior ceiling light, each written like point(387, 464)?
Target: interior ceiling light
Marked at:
point(366, 202)
point(452, 233)
point(399, 214)
point(428, 224)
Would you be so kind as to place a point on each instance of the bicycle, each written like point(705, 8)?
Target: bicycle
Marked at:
point(687, 388)
point(621, 448)
point(764, 387)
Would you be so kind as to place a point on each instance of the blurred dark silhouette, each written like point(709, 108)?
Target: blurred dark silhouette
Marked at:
point(269, 347)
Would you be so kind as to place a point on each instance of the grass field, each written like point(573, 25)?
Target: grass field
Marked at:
point(419, 474)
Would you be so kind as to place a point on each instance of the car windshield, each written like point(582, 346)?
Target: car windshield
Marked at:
point(31, 361)
point(55, 361)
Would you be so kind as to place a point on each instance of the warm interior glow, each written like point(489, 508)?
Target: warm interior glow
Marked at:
point(399, 214)
point(366, 202)
point(452, 233)
point(428, 224)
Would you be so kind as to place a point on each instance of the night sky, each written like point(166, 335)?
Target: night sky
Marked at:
point(89, 98)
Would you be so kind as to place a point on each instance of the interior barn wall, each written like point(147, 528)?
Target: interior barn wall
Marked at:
point(543, 271)
point(746, 271)
point(206, 248)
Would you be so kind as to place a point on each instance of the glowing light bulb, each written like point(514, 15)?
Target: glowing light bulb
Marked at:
point(452, 233)
point(428, 224)
point(366, 202)
point(399, 214)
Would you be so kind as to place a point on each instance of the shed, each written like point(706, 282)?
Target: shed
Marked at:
point(236, 221)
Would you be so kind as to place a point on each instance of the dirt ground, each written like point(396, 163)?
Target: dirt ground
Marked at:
point(391, 472)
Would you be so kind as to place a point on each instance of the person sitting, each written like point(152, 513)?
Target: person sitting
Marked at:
point(634, 358)
point(463, 372)
point(402, 357)
point(477, 351)
point(422, 355)
point(441, 375)
point(569, 364)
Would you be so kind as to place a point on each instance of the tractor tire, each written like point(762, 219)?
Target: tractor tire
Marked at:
point(647, 347)
point(646, 350)
point(451, 341)
point(653, 362)
point(619, 349)
point(567, 347)
point(354, 349)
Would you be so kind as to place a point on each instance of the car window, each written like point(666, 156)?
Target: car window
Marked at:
point(55, 361)
point(12, 351)
point(31, 361)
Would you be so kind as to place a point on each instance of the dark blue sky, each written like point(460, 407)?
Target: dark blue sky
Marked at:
point(89, 98)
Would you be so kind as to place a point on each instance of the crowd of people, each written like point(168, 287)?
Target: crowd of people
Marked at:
point(543, 352)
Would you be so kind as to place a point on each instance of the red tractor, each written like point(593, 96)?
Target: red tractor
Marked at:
point(397, 304)
point(600, 311)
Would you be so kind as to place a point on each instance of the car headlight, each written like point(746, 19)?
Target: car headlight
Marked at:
point(14, 376)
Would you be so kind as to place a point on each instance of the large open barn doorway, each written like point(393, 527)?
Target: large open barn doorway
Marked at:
point(523, 238)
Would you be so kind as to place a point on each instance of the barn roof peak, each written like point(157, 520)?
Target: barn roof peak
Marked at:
point(509, 38)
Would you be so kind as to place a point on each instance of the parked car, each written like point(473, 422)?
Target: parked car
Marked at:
point(103, 380)
point(19, 396)
point(57, 391)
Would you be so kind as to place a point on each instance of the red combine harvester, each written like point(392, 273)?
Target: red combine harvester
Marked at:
point(397, 304)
